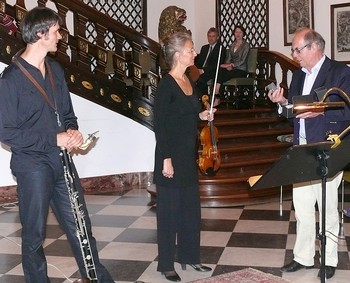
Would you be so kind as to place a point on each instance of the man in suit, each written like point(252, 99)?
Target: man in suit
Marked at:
point(206, 60)
point(316, 71)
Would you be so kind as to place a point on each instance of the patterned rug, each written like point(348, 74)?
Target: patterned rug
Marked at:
point(247, 275)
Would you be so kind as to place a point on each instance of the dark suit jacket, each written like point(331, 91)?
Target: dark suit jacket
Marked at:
point(331, 74)
point(210, 69)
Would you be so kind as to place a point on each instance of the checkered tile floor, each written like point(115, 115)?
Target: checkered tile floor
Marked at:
point(259, 236)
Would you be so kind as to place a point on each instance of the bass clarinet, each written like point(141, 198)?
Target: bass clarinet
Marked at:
point(77, 212)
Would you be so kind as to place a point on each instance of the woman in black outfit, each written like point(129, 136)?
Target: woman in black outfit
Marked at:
point(176, 114)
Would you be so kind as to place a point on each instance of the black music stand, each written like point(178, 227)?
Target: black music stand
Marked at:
point(309, 162)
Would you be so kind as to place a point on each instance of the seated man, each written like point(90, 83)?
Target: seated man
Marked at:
point(206, 60)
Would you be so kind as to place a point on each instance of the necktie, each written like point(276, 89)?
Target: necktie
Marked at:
point(206, 59)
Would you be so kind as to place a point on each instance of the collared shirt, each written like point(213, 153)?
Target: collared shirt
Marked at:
point(309, 81)
point(28, 124)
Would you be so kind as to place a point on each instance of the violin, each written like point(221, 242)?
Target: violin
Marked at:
point(209, 160)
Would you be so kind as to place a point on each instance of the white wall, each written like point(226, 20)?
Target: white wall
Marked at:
point(125, 146)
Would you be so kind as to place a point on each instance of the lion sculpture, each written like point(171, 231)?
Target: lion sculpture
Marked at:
point(170, 21)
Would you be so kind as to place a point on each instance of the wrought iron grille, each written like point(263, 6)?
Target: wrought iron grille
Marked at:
point(128, 12)
point(251, 14)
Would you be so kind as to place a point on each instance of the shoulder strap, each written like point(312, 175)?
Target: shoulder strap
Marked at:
point(40, 88)
point(34, 81)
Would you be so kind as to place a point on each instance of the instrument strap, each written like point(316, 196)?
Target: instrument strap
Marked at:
point(40, 88)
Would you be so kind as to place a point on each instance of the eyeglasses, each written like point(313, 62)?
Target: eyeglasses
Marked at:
point(189, 50)
point(298, 50)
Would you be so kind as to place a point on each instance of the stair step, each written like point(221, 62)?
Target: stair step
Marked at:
point(253, 146)
point(249, 112)
point(248, 162)
point(224, 122)
point(260, 132)
point(237, 172)
point(248, 146)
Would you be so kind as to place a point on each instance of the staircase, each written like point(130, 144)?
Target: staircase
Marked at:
point(248, 146)
point(114, 78)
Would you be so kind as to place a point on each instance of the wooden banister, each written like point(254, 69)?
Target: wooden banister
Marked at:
point(267, 63)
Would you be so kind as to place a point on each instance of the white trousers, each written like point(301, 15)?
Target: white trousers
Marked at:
point(305, 196)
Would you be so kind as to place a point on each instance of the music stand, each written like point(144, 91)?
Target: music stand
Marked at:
point(308, 162)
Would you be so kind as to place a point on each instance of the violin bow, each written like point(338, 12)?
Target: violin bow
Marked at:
point(215, 80)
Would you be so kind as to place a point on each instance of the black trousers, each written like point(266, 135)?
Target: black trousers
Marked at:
point(202, 83)
point(178, 221)
point(37, 191)
point(225, 75)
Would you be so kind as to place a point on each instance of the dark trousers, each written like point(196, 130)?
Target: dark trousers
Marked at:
point(225, 75)
point(36, 192)
point(178, 220)
point(202, 83)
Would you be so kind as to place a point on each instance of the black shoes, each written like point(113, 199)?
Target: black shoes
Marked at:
point(172, 276)
point(197, 267)
point(294, 266)
point(329, 271)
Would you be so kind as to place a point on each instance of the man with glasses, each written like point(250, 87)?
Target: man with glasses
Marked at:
point(317, 71)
